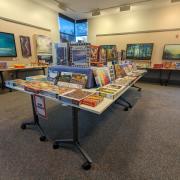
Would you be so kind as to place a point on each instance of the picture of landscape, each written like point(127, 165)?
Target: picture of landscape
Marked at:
point(80, 54)
point(7, 45)
point(171, 52)
point(139, 51)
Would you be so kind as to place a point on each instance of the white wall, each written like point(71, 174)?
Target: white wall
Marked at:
point(142, 20)
point(29, 12)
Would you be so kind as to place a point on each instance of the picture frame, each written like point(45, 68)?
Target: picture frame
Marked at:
point(43, 45)
point(25, 46)
point(80, 54)
point(61, 53)
point(111, 52)
point(171, 52)
point(7, 50)
point(139, 51)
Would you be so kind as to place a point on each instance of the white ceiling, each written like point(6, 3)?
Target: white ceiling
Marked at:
point(78, 9)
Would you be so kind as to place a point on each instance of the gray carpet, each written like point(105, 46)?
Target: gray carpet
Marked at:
point(143, 143)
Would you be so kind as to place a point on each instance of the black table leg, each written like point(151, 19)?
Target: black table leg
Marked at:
point(126, 101)
point(2, 80)
point(139, 88)
point(126, 108)
point(169, 77)
point(160, 77)
point(16, 72)
point(44, 71)
point(35, 123)
point(75, 140)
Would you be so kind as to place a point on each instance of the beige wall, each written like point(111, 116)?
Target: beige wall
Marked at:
point(144, 20)
point(159, 39)
point(26, 11)
point(18, 30)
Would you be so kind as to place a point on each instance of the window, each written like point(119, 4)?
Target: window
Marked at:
point(67, 29)
point(81, 30)
point(71, 30)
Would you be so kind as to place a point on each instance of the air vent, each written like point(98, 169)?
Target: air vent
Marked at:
point(96, 12)
point(125, 8)
point(62, 6)
point(174, 1)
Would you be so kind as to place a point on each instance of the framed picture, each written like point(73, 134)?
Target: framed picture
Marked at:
point(25, 46)
point(139, 51)
point(61, 53)
point(43, 45)
point(94, 53)
point(103, 55)
point(171, 52)
point(80, 54)
point(111, 52)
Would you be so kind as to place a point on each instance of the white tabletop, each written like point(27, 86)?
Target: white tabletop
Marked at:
point(99, 109)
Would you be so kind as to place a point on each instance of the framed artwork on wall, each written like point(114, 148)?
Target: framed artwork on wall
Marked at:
point(25, 46)
point(171, 52)
point(7, 45)
point(139, 51)
point(43, 45)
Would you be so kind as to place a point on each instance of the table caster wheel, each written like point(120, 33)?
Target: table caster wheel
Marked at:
point(126, 109)
point(42, 138)
point(130, 106)
point(23, 126)
point(86, 166)
point(55, 146)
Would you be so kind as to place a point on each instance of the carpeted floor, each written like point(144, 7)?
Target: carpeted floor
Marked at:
point(141, 144)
